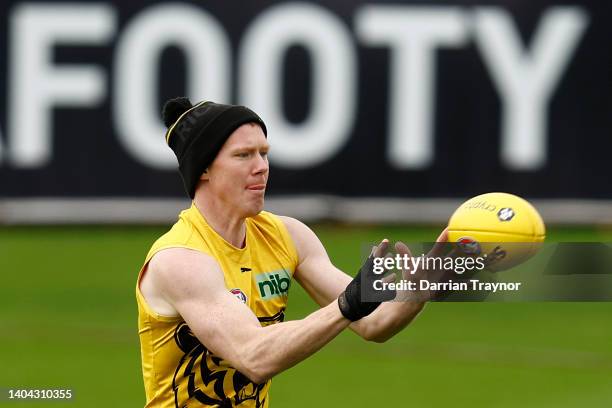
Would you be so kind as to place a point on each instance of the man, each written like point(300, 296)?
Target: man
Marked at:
point(213, 290)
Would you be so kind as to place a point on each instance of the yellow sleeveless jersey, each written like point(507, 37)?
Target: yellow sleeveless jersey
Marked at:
point(178, 370)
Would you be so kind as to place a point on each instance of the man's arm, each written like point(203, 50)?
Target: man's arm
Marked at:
point(192, 284)
point(324, 282)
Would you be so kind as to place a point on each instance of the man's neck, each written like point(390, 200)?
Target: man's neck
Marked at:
point(223, 220)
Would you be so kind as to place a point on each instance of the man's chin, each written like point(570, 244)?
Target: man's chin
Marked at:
point(255, 208)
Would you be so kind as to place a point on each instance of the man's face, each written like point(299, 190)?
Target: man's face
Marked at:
point(239, 174)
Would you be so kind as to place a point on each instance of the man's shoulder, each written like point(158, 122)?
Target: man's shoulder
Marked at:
point(174, 273)
point(265, 216)
point(303, 238)
point(171, 266)
point(177, 229)
point(174, 259)
point(273, 218)
point(180, 235)
point(280, 231)
point(292, 227)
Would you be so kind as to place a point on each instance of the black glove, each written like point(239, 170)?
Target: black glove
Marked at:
point(359, 299)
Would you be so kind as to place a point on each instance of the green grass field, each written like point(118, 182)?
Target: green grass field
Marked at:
point(68, 319)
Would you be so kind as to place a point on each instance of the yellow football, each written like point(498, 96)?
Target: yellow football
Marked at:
point(503, 228)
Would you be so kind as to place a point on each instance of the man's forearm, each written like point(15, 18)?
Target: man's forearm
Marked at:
point(280, 346)
point(388, 320)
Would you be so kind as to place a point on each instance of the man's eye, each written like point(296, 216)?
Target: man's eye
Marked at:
point(242, 155)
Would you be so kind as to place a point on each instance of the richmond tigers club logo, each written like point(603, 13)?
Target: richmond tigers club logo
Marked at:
point(239, 295)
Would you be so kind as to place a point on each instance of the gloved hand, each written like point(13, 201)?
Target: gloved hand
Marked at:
point(359, 299)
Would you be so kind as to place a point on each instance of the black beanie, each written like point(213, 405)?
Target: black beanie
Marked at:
point(197, 133)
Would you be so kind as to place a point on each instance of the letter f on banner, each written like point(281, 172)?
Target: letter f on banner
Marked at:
point(36, 87)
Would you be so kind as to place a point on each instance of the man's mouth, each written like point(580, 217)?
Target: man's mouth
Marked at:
point(256, 187)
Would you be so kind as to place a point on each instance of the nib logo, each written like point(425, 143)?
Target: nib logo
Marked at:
point(273, 284)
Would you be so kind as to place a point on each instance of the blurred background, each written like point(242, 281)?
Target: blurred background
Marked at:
point(383, 117)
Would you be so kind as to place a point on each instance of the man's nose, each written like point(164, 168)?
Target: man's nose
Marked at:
point(262, 165)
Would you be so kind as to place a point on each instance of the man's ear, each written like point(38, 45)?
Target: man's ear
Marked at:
point(205, 175)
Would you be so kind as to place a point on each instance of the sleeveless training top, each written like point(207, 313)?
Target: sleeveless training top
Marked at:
point(178, 370)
